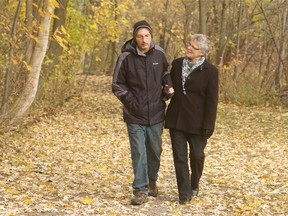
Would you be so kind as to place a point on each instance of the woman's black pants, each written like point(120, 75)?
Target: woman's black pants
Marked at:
point(180, 142)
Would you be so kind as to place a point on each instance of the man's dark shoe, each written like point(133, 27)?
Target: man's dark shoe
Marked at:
point(152, 189)
point(194, 193)
point(185, 201)
point(139, 199)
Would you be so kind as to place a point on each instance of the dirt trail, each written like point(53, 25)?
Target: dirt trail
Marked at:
point(77, 162)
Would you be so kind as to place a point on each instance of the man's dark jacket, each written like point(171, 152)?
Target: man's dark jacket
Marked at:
point(195, 111)
point(138, 83)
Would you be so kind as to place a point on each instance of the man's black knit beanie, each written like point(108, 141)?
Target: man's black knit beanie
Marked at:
point(141, 24)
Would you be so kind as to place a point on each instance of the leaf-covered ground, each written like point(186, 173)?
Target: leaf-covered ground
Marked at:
point(77, 162)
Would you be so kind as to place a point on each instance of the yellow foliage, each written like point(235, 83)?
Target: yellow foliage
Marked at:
point(55, 3)
point(28, 67)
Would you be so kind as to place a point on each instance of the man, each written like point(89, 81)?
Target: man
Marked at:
point(141, 82)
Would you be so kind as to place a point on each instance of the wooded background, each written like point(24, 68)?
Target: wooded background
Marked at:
point(49, 47)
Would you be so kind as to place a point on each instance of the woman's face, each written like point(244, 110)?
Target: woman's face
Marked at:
point(193, 52)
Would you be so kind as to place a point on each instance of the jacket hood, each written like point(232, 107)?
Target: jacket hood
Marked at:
point(130, 46)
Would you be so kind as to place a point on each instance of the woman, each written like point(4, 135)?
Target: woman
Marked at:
point(191, 114)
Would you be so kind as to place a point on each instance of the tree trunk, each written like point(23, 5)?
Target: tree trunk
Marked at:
point(55, 48)
point(283, 45)
point(27, 97)
point(188, 19)
point(113, 47)
point(202, 17)
point(278, 70)
point(162, 35)
point(113, 58)
point(9, 66)
point(29, 21)
point(238, 40)
point(223, 34)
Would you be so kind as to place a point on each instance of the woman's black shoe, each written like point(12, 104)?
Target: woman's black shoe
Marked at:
point(183, 202)
point(194, 193)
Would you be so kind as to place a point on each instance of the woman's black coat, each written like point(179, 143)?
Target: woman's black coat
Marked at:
point(195, 111)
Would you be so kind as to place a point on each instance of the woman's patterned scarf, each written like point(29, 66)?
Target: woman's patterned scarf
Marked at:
point(187, 69)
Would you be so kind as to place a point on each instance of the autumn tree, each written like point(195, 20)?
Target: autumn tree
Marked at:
point(27, 96)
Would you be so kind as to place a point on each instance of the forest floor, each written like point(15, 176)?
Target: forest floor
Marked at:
point(77, 162)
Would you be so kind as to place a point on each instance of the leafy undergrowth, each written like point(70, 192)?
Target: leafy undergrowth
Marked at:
point(77, 162)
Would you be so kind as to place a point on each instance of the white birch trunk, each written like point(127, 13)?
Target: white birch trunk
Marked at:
point(27, 97)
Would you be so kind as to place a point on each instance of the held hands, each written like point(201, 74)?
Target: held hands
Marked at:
point(169, 91)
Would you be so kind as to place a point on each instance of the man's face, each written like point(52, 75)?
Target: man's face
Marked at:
point(143, 39)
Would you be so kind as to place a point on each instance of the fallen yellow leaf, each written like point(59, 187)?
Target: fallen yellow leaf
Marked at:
point(12, 191)
point(88, 201)
point(247, 208)
point(28, 201)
